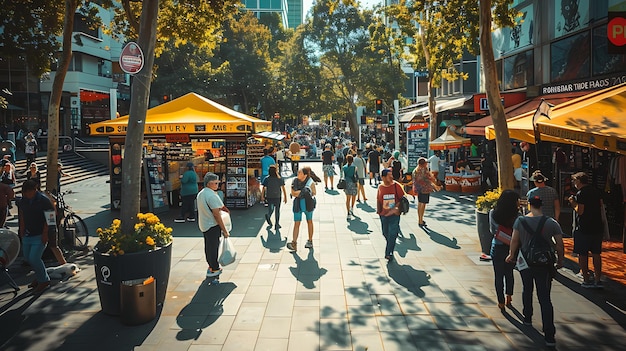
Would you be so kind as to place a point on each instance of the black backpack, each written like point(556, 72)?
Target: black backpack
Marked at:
point(404, 204)
point(539, 252)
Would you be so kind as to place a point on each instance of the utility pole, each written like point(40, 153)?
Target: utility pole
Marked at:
point(396, 127)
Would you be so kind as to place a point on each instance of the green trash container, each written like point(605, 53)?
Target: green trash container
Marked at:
point(138, 301)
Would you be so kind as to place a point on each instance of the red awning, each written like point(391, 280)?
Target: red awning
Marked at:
point(478, 126)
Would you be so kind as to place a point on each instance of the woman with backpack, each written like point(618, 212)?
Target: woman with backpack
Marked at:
point(350, 176)
point(424, 183)
point(501, 220)
point(303, 192)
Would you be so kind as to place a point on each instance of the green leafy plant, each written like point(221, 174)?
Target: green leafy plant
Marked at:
point(488, 200)
point(149, 234)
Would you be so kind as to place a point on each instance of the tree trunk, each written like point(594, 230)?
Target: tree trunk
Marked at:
point(52, 157)
point(131, 172)
point(503, 142)
point(432, 104)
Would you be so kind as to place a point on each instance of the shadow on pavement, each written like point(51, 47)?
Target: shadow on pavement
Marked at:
point(441, 239)
point(404, 244)
point(274, 242)
point(11, 319)
point(366, 207)
point(410, 278)
point(358, 227)
point(204, 309)
point(307, 271)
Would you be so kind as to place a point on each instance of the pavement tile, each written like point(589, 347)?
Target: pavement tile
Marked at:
point(305, 318)
point(335, 334)
point(266, 344)
point(216, 332)
point(275, 328)
point(280, 305)
point(239, 340)
point(398, 341)
point(249, 316)
point(304, 341)
point(366, 341)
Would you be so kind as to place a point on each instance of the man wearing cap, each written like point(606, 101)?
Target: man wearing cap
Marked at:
point(588, 233)
point(387, 207)
point(210, 221)
point(541, 276)
point(188, 192)
point(327, 166)
point(548, 195)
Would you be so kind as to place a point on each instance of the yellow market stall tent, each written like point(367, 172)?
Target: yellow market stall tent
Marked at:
point(193, 129)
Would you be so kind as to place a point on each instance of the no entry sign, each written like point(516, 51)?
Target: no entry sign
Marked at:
point(131, 58)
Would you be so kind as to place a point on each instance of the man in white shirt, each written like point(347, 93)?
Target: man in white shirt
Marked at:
point(433, 163)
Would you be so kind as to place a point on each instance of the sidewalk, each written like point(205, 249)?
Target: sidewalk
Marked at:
point(341, 295)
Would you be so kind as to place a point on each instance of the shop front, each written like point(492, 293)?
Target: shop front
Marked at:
point(190, 129)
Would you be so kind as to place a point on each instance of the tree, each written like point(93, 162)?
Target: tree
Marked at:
point(504, 16)
point(444, 32)
point(339, 36)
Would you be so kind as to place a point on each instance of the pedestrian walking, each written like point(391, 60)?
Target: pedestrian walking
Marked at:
point(501, 219)
point(387, 207)
point(30, 149)
point(549, 197)
point(188, 193)
point(34, 212)
point(327, 166)
point(34, 174)
point(424, 183)
point(373, 158)
point(274, 185)
point(349, 172)
point(303, 191)
point(527, 231)
point(359, 163)
point(60, 174)
point(210, 221)
point(588, 234)
point(6, 196)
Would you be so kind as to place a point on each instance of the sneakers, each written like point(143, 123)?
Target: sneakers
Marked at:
point(485, 257)
point(191, 219)
point(598, 285)
point(292, 246)
point(211, 273)
point(268, 219)
point(528, 321)
point(588, 285)
point(179, 220)
point(308, 245)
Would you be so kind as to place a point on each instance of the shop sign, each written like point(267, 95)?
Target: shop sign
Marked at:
point(177, 138)
point(589, 84)
point(616, 33)
point(131, 59)
point(166, 129)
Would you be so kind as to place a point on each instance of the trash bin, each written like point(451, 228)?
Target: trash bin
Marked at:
point(138, 301)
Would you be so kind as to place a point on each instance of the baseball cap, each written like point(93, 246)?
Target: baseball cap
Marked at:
point(535, 201)
point(582, 176)
point(538, 177)
point(385, 171)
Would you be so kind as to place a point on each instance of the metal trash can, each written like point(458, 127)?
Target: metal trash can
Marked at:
point(138, 301)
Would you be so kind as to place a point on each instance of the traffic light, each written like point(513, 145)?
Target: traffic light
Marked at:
point(391, 119)
point(385, 119)
point(379, 106)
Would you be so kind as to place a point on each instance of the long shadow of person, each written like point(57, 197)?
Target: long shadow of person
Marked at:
point(404, 244)
point(307, 271)
point(409, 277)
point(442, 239)
point(358, 227)
point(206, 306)
point(274, 243)
point(366, 207)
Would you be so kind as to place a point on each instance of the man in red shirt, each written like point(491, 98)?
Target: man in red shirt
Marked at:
point(387, 207)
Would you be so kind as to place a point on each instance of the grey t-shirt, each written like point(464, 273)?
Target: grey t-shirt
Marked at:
point(547, 195)
point(550, 229)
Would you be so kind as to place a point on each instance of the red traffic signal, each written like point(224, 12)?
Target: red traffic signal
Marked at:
point(379, 106)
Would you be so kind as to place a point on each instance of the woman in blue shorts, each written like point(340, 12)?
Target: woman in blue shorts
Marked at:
point(303, 192)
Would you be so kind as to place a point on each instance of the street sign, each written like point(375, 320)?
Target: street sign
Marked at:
point(616, 33)
point(131, 58)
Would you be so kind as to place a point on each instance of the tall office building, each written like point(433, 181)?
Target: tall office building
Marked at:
point(290, 11)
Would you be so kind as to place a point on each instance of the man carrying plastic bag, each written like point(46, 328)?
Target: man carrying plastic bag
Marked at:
point(210, 222)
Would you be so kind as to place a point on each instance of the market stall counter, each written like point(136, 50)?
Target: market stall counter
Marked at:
point(466, 182)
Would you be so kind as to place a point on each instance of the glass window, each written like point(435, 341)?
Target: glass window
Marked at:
point(499, 69)
point(518, 70)
point(570, 16)
point(604, 63)
point(569, 58)
point(265, 4)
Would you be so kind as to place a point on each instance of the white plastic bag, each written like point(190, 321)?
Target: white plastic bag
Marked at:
point(228, 254)
point(228, 224)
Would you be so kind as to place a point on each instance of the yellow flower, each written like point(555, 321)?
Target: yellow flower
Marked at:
point(117, 222)
point(148, 233)
point(150, 241)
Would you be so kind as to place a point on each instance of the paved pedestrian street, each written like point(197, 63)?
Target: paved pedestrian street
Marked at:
point(340, 295)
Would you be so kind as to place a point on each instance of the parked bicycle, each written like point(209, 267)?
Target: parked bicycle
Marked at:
point(73, 233)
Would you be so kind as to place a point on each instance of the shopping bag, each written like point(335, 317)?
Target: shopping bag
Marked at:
point(228, 254)
point(341, 184)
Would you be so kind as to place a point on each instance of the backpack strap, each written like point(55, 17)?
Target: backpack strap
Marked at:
point(539, 229)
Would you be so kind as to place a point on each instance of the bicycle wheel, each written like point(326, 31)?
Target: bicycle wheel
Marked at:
point(81, 234)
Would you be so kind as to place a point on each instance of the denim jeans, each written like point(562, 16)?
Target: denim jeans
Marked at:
point(503, 271)
point(273, 204)
point(187, 207)
point(542, 278)
point(33, 248)
point(391, 228)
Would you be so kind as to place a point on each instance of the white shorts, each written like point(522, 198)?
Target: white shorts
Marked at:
point(517, 173)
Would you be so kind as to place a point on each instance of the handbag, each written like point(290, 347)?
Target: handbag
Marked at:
point(404, 204)
point(504, 234)
point(341, 184)
point(228, 254)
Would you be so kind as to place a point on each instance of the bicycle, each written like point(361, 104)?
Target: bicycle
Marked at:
point(74, 234)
